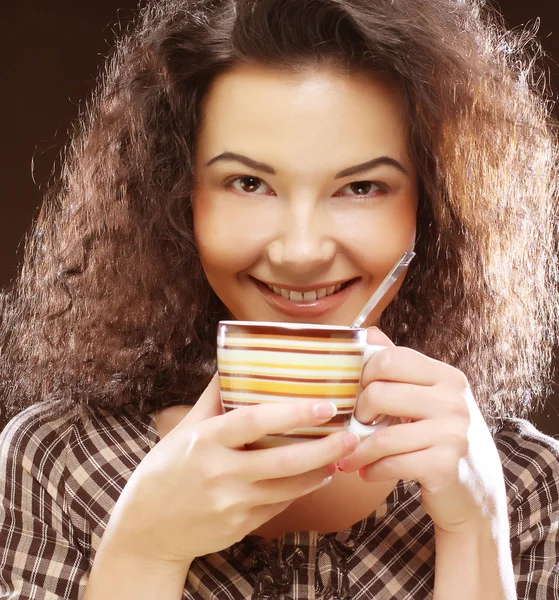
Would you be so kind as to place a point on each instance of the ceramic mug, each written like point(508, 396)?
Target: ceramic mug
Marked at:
point(265, 362)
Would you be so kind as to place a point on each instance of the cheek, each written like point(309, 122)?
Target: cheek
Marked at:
point(378, 238)
point(226, 234)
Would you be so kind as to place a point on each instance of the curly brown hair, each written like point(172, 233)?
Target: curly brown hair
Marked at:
point(111, 310)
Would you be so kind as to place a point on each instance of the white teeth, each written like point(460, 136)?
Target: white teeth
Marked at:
point(306, 296)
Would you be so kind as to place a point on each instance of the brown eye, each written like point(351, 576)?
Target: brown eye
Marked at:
point(358, 189)
point(249, 184)
point(361, 188)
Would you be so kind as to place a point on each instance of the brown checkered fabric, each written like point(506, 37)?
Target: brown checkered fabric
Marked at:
point(59, 482)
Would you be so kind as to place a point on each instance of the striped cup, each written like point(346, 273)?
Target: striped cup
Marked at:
point(264, 362)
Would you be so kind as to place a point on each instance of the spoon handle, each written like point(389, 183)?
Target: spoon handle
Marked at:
point(383, 288)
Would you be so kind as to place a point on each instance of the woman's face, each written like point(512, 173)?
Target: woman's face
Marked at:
point(305, 193)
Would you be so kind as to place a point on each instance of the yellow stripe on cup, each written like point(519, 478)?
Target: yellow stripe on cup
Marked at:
point(289, 388)
point(320, 362)
point(356, 369)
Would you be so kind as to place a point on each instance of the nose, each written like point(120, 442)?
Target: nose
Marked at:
point(305, 238)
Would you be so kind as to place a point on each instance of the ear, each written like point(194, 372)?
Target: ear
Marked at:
point(375, 336)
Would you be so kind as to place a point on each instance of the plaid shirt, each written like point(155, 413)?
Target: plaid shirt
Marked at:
point(60, 480)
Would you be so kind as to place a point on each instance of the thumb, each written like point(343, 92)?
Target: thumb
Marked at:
point(375, 336)
point(208, 405)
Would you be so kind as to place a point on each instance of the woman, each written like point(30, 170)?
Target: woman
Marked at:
point(271, 160)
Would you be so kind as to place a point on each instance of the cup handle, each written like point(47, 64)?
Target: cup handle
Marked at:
point(356, 426)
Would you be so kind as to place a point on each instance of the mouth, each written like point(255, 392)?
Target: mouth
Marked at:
point(307, 301)
point(309, 295)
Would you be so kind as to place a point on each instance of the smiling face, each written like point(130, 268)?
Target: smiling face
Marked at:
point(305, 193)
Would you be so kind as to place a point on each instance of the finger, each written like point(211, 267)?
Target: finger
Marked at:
point(397, 400)
point(393, 440)
point(406, 366)
point(389, 469)
point(298, 458)
point(430, 467)
point(376, 337)
point(249, 424)
point(207, 406)
point(286, 489)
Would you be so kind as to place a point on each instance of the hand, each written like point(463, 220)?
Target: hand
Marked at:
point(442, 443)
point(199, 491)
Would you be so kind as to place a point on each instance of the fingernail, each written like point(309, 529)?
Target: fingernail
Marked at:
point(352, 440)
point(331, 469)
point(325, 410)
point(343, 464)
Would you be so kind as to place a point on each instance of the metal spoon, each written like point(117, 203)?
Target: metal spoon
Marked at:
point(383, 288)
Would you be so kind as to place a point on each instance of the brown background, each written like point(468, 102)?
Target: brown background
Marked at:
point(50, 54)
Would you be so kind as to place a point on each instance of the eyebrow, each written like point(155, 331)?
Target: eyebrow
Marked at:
point(258, 166)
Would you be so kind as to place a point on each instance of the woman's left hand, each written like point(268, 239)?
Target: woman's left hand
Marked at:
point(443, 442)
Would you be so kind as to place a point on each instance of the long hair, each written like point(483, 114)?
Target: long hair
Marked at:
point(111, 310)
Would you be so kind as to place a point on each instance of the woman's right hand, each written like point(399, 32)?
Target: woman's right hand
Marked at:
point(199, 490)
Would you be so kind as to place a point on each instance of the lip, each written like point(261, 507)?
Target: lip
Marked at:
point(315, 308)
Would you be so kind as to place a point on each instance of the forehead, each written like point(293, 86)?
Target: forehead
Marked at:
point(322, 114)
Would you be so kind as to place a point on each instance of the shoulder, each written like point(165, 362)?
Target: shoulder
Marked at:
point(43, 444)
point(35, 440)
point(530, 461)
point(71, 469)
point(523, 448)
